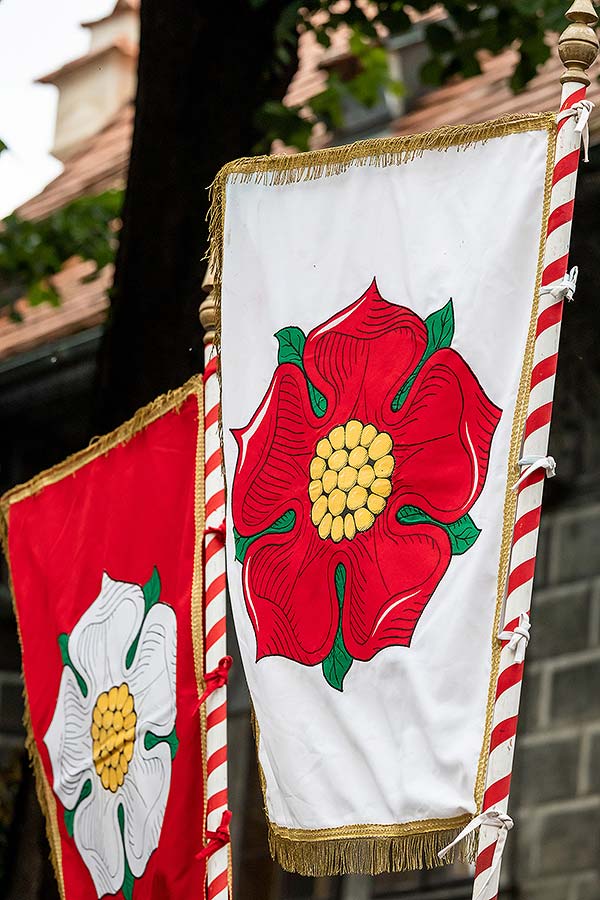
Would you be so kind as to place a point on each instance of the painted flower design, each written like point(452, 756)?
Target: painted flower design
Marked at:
point(112, 737)
point(354, 482)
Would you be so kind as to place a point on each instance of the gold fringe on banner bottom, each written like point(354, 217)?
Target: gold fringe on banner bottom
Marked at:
point(368, 855)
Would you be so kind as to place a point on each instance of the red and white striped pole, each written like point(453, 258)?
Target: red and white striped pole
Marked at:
point(578, 47)
point(215, 640)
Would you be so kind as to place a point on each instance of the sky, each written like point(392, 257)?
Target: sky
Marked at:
point(36, 37)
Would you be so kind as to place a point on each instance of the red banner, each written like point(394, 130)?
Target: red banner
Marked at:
point(106, 566)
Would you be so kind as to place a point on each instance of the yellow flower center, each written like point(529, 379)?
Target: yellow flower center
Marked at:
point(113, 735)
point(350, 479)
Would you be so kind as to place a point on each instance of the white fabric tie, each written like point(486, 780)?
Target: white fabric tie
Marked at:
point(564, 289)
point(519, 638)
point(533, 464)
point(581, 110)
point(495, 819)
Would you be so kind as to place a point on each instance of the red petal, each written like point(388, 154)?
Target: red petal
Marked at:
point(275, 450)
point(391, 578)
point(290, 594)
point(362, 356)
point(442, 439)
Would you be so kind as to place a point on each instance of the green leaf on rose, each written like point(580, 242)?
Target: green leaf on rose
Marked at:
point(151, 740)
point(282, 525)
point(291, 350)
point(69, 814)
point(462, 534)
point(338, 661)
point(440, 332)
point(128, 879)
point(63, 645)
point(151, 590)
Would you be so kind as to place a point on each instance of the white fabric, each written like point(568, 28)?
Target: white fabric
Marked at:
point(519, 638)
point(402, 742)
point(534, 465)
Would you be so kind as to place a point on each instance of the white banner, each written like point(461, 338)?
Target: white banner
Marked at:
point(377, 322)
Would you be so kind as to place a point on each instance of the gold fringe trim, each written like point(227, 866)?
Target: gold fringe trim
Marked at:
point(172, 400)
point(369, 855)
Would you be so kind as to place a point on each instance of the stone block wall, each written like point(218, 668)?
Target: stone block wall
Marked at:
point(555, 853)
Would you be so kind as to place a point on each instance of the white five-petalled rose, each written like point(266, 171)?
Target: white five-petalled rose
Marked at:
point(112, 734)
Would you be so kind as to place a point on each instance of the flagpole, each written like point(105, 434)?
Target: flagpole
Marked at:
point(578, 48)
point(218, 867)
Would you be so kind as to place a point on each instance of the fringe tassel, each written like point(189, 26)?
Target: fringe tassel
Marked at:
point(368, 855)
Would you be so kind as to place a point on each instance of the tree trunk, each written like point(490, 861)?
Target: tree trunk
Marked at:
point(203, 72)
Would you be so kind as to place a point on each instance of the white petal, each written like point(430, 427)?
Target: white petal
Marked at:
point(144, 795)
point(69, 740)
point(98, 838)
point(99, 642)
point(152, 676)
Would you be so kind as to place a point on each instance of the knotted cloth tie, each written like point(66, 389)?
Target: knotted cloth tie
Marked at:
point(564, 289)
point(519, 638)
point(533, 464)
point(495, 819)
point(581, 110)
point(215, 679)
point(218, 530)
point(217, 839)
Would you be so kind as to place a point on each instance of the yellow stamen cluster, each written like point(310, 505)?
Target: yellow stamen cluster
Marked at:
point(113, 735)
point(350, 479)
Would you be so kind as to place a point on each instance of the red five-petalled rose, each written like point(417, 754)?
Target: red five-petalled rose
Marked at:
point(354, 482)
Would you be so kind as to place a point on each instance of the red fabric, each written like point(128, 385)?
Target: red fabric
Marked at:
point(359, 360)
point(124, 513)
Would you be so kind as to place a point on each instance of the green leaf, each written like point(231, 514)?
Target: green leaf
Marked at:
point(440, 329)
point(151, 590)
point(291, 345)
point(128, 879)
point(151, 740)
point(462, 534)
point(63, 644)
point(69, 814)
point(291, 350)
point(439, 38)
point(282, 525)
point(337, 663)
point(3, 146)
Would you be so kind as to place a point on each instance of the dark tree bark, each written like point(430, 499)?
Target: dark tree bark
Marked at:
point(203, 72)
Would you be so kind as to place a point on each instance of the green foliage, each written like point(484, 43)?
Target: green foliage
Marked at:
point(454, 44)
point(3, 146)
point(32, 252)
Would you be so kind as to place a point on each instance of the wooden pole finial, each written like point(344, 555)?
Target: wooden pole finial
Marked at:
point(208, 308)
point(578, 44)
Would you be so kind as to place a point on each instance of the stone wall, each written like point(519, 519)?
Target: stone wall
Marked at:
point(556, 787)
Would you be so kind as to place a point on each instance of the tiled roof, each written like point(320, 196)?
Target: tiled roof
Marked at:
point(488, 96)
point(82, 306)
point(101, 163)
point(120, 45)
